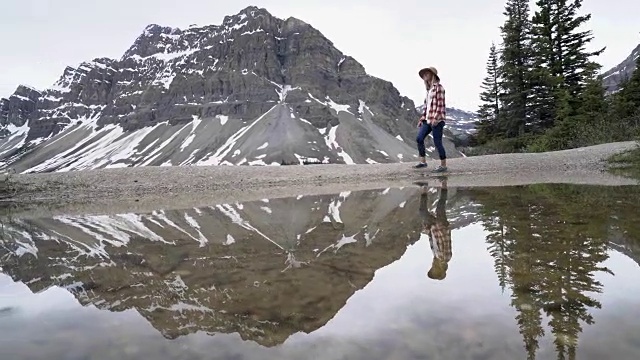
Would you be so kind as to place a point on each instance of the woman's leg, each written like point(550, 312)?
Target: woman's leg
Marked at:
point(423, 132)
point(437, 141)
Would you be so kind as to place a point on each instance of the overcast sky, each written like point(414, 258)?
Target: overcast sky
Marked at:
point(392, 39)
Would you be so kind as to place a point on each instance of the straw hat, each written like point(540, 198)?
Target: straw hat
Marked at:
point(438, 269)
point(431, 69)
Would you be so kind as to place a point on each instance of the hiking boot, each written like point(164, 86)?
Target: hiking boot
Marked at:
point(420, 166)
point(440, 169)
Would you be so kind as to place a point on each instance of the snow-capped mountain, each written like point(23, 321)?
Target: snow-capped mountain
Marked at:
point(264, 269)
point(623, 71)
point(255, 90)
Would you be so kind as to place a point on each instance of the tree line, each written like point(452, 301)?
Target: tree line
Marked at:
point(543, 90)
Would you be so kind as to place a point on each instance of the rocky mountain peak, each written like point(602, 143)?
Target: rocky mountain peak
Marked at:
point(292, 25)
point(249, 13)
point(157, 39)
point(16, 108)
point(27, 92)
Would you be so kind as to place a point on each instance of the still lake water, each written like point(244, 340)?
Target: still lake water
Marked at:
point(535, 272)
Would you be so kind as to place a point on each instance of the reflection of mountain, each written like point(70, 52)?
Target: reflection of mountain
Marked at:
point(268, 269)
point(264, 269)
point(548, 243)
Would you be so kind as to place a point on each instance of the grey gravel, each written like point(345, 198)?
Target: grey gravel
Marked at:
point(145, 189)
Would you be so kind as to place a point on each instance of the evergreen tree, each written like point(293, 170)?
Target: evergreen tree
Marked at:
point(574, 61)
point(593, 121)
point(515, 68)
point(593, 100)
point(490, 97)
point(590, 126)
point(544, 78)
point(562, 65)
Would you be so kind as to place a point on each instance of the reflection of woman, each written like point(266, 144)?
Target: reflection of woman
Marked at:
point(437, 228)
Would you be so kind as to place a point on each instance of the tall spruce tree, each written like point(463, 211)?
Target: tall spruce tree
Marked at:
point(544, 75)
point(562, 64)
point(515, 68)
point(490, 98)
point(575, 61)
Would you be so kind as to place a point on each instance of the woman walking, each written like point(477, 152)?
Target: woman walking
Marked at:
point(433, 118)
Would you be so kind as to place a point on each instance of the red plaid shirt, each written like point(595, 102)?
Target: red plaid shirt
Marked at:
point(440, 240)
point(437, 107)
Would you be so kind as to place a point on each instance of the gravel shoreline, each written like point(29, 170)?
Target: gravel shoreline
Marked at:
point(146, 189)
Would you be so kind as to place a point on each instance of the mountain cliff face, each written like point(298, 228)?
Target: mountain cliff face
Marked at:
point(264, 269)
point(254, 90)
point(621, 72)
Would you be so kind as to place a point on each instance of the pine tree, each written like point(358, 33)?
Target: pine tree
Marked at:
point(588, 127)
point(593, 119)
point(593, 100)
point(562, 65)
point(490, 97)
point(544, 78)
point(515, 68)
point(574, 60)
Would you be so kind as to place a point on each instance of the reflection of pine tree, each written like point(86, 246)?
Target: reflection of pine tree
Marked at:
point(529, 320)
point(515, 264)
point(551, 255)
point(497, 248)
point(525, 280)
point(569, 281)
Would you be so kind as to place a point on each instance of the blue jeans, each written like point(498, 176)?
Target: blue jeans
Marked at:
point(424, 130)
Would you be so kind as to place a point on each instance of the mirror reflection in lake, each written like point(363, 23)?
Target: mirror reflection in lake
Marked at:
point(535, 272)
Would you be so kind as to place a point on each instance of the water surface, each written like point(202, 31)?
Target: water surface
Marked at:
point(535, 272)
